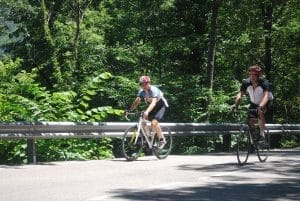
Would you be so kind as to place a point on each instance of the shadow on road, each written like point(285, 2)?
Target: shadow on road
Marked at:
point(222, 191)
point(284, 183)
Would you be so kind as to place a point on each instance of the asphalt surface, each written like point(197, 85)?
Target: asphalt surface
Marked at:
point(198, 177)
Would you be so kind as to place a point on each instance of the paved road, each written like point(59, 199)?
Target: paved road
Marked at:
point(202, 177)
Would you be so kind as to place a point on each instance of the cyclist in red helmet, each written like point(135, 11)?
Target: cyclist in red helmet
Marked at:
point(157, 105)
point(260, 96)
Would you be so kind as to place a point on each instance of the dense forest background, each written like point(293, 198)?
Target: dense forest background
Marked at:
point(79, 60)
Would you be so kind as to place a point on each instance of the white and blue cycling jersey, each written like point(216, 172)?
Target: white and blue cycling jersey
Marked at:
point(154, 92)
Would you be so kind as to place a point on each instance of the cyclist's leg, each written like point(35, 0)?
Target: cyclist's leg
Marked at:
point(252, 116)
point(156, 116)
point(262, 120)
point(145, 127)
point(252, 120)
point(155, 125)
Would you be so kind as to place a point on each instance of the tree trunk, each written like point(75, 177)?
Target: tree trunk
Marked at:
point(212, 44)
point(49, 39)
point(212, 52)
point(78, 10)
point(53, 14)
point(267, 12)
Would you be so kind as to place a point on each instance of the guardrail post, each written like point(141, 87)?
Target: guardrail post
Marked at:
point(31, 151)
point(226, 142)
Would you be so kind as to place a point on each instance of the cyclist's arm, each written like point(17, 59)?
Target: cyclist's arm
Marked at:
point(238, 98)
point(135, 103)
point(265, 99)
point(151, 106)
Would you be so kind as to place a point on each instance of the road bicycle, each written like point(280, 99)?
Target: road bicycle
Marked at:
point(248, 141)
point(140, 136)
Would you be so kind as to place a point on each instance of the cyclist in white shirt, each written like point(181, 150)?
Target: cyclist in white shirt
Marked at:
point(156, 108)
point(260, 97)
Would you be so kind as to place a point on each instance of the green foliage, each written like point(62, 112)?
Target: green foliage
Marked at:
point(41, 105)
point(290, 141)
point(65, 67)
point(195, 150)
point(74, 149)
point(15, 86)
point(286, 73)
point(13, 151)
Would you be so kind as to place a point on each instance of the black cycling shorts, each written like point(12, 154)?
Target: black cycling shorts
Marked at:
point(253, 114)
point(158, 111)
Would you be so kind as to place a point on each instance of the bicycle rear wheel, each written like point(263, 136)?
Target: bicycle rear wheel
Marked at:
point(263, 148)
point(132, 150)
point(243, 146)
point(165, 151)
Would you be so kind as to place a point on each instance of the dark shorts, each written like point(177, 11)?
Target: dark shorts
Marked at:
point(158, 111)
point(253, 114)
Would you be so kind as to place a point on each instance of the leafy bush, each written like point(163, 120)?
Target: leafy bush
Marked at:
point(290, 141)
point(74, 149)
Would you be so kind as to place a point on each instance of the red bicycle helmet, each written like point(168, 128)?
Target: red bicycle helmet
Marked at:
point(256, 70)
point(144, 79)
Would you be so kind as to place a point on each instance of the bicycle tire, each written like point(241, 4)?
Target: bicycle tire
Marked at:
point(263, 149)
point(166, 150)
point(243, 146)
point(131, 151)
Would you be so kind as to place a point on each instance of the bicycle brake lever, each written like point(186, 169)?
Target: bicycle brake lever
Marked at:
point(127, 118)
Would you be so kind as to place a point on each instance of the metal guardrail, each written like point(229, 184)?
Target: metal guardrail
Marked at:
point(48, 130)
point(57, 130)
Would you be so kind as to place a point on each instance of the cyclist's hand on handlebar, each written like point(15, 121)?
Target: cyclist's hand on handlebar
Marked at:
point(126, 111)
point(260, 109)
point(145, 115)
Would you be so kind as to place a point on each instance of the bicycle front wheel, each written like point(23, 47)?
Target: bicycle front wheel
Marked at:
point(243, 146)
point(162, 153)
point(263, 148)
point(132, 143)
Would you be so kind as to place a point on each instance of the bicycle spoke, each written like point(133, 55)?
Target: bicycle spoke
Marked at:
point(243, 147)
point(263, 148)
point(132, 144)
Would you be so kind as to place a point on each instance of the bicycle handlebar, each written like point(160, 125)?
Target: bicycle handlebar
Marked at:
point(132, 113)
point(128, 113)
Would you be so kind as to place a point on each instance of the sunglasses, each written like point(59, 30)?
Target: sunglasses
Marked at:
point(143, 84)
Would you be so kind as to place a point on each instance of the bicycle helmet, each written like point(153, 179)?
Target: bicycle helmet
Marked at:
point(256, 70)
point(144, 79)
